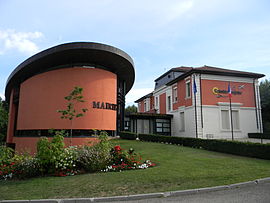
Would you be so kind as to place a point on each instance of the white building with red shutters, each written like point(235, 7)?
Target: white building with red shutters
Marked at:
point(195, 102)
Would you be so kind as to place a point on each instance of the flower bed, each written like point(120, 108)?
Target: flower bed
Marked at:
point(53, 158)
point(126, 160)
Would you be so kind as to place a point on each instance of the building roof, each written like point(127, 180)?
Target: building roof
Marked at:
point(71, 55)
point(177, 69)
point(215, 71)
point(144, 97)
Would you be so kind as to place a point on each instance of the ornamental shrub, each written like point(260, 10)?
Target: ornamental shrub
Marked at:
point(128, 135)
point(48, 152)
point(27, 167)
point(126, 160)
point(97, 157)
point(7, 171)
point(65, 163)
point(6, 154)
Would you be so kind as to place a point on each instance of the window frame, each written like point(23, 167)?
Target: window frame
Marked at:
point(164, 126)
point(175, 94)
point(169, 103)
point(188, 89)
point(182, 121)
point(236, 127)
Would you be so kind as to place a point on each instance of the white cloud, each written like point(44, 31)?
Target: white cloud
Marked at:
point(135, 94)
point(21, 41)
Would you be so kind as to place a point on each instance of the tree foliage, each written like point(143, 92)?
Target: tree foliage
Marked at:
point(265, 103)
point(131, 109)
point(3, 120)
point(74, 97)
point(71, 112)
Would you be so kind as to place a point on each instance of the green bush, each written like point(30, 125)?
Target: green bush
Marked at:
point(97, 157)
point(27, 167)
point(256, 150)
point(49, 153)
point(65, 162)
point(259, 135)
point(6, 154)
point(17, 165)
point(128, 135)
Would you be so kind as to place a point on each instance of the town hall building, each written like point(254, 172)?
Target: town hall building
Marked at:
point(202, 102)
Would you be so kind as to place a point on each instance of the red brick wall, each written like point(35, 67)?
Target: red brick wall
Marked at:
point(209, 98)
point(181, 94)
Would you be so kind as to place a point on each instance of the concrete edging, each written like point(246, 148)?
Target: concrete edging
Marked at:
point(143, 196)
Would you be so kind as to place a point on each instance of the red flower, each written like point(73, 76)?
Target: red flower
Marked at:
point(117, 148)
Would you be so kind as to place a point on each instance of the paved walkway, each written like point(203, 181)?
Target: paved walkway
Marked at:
point(258, 193)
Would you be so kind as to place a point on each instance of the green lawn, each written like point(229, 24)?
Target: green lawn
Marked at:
point(177, 168)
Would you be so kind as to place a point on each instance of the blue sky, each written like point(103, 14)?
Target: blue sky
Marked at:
point(158, 35)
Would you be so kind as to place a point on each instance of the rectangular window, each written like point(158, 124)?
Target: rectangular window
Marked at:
point(235, 118)
point(174, 94)
point(156, 102)
point(127, 125)
point(169, 103)
point(182, 121)
point(145, 106)
point(188, 91)
point(163, 126)
point(225, 119)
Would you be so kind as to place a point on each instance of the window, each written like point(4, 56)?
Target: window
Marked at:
point(169, 103)
point(145, 106)
point(163, 126)
point(127, 125)
point(174, 94)
point(156, 103)
point(182, 121)
point(188, 91)
point(235, 119)
point(225, 119)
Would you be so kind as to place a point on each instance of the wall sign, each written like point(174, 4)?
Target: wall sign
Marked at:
point(220, 93)
point(104, 105)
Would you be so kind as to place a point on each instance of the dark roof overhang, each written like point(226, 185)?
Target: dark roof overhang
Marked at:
point(72, 55)
point(148, 115)
point(218, 71)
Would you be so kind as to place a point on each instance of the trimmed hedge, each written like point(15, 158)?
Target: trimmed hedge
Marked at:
point(128, 135)
point(259, 135)
point(248, 149)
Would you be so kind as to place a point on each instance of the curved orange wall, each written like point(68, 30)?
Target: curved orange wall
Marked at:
point(246, 98)
point(42, 95)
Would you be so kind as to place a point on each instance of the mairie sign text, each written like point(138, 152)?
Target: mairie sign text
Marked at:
point(216, 90)
point(104, 105)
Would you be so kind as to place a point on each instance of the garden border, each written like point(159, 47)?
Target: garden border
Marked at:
point(143, 196)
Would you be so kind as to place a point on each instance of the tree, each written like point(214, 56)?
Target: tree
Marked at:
point(131, 109)
point(3, 120)
point(265, 103)
point(70, 112)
